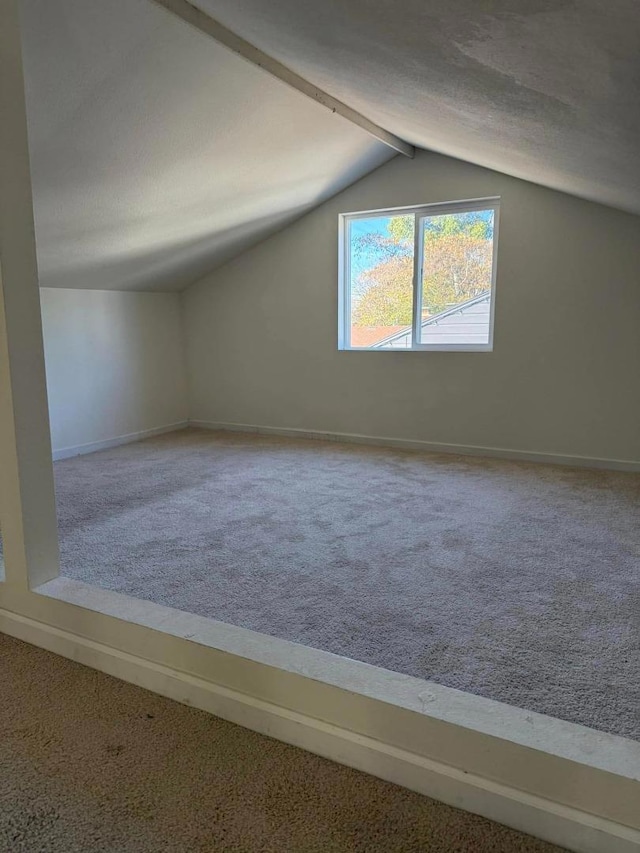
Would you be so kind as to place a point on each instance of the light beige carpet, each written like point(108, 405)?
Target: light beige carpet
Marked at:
point(90, 763)
point(514, 581)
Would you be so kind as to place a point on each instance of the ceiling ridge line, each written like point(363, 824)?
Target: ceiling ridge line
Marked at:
point(203, 22)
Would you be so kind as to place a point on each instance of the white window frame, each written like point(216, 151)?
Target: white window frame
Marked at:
point(419, 212)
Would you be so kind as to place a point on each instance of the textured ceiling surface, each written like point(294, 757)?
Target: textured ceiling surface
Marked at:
point(157, 153)
point(546, 90)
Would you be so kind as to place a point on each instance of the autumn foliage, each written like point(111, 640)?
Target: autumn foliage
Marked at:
point(456, 267)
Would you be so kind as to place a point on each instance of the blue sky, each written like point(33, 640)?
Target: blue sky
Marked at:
point(368, 257)
point(361, 261)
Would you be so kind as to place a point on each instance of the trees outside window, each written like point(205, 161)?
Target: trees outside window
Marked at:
point(453, 252)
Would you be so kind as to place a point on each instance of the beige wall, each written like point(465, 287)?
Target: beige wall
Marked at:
point(563, 376)
point(115, 363)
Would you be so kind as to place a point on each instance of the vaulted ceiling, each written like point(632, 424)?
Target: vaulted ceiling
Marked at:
point(157, 153)
point(546, 90)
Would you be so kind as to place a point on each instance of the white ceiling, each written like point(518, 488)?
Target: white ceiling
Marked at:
point(546, 90)
point(157, 154)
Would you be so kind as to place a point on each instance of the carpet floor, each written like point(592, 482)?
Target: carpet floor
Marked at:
point(91, 764)
point(510, 580)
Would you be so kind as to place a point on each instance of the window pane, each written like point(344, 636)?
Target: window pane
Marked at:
point(381, 271)
point(456, 277)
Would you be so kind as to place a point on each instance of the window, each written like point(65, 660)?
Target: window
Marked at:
point(419, 278)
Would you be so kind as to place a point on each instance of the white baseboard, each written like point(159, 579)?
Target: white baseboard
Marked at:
point(554, 822)
point(427, 446)
point(92, 447)
point(354, 438)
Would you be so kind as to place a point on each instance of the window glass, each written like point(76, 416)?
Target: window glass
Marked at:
point(457, 269)
point(381, 278)
point(419, 278)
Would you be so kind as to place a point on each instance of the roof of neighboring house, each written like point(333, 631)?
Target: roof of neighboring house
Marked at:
point(368, 336)
point(468, 319)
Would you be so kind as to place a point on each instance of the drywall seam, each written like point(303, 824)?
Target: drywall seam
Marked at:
point(196, 17)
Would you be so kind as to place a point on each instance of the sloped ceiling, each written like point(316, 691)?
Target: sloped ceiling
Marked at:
point(546, 90)
point(157, 153)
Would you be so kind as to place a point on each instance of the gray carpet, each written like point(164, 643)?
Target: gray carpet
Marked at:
point(93, 765)
point(515, 581)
